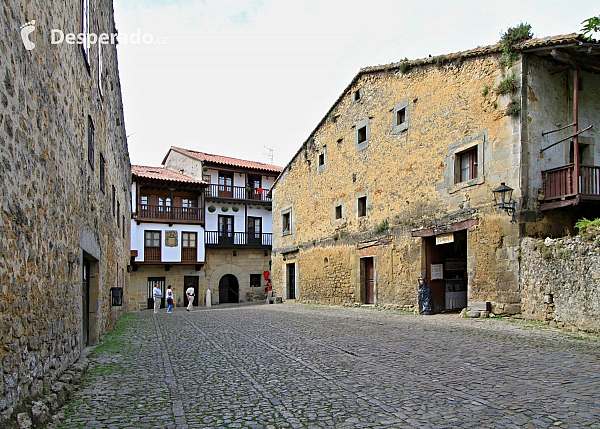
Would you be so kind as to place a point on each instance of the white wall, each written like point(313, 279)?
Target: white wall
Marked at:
point(169, 254)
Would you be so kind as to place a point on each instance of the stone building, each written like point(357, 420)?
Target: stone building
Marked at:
point(64, 241)
point(230, 227)
point(397, 179)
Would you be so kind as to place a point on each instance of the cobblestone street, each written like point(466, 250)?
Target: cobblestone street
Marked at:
point(306, 366)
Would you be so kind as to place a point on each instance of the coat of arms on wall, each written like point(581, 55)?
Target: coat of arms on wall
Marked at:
point(171, 238)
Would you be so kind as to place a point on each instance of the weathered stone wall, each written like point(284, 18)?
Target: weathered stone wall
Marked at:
point(408, 179)
point(53, 213)
point(560, 280)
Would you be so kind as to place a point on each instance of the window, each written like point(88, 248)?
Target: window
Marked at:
point(206, 178)
point(468, 164)
point(85, 30)
point(400, 118)
point(357, 95)
point(338, 212)
point(189, 247)
point(362, 134)
point(152, 246)
point(100, 69)
point(225, 185)
point(362, 206)
point(123, 227)
point(286, 225)
point(118, 214)
point(102, 174)
point(164, 202)
point(91, 141)
point(254, 280)
point(187, 203)
point(322, 159)
point(114, 200)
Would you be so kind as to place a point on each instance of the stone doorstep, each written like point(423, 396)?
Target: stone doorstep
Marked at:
point(479, 306)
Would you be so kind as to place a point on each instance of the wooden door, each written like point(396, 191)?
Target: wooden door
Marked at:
point(225, 229)
point(161, 283)
point(254, 230)
point(291, 278)
point(369, 281)
point(85, 297)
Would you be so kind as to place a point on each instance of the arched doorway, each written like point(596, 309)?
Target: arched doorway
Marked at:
point(229, 289)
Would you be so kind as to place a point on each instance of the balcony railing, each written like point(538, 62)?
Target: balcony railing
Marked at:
point(237, 192)
point(558, 183)
point(152, 254)
point(189, 254)
point(238, 238)
point(171, 213)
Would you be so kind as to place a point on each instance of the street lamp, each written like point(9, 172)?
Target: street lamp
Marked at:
point(504, 201)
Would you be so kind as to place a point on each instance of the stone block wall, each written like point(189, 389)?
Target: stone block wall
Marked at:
point(560, 280)
point(407, 175)
point(53, 212)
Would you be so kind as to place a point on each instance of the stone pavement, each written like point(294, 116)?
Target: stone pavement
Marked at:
point(307, 366)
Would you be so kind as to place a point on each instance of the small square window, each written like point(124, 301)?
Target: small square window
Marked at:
point(362, 206)
point(401, 116)
point(254, 280)
point(91, 142)
point(338, 212)
point(362, 134)
point(321, 159)
point(357, 95)
point(286, 224)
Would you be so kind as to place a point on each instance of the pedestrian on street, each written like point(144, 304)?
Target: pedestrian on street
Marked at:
point(157, 293)
point(268, 289)
point(425, 298)
point(190, 296)
point(169, 299)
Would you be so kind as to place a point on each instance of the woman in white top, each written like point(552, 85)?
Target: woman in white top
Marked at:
point(170, 299)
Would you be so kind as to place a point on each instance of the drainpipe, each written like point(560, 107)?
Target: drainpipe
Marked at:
point(575, 130)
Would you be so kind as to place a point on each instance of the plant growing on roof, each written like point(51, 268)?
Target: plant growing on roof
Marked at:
point(513, 36)
point(590, 25)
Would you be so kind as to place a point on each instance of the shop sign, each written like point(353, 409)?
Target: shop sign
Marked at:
point(444, 238)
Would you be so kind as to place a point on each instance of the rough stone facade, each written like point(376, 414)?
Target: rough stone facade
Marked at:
point(379, 183)
point(55, 219)
point(561, 280)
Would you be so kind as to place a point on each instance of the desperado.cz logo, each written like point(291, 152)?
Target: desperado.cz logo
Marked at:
point(58, 36)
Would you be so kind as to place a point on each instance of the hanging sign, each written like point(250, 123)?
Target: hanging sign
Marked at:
point(444, 238)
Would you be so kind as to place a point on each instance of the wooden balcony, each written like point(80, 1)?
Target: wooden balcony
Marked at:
point(152, 254)
point(170, 214)
point(237, 193)
point(559, 187)
point(189, 254)
point(238, 239)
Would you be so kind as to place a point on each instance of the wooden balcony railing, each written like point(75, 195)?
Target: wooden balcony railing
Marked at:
point(237, 193)
point(171, 213)
point(189, 254)
point(238, 239)
point(152, 254)
point(558, 183)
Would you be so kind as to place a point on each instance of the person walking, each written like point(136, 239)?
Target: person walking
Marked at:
point(425, 298)
point(190, 296)
point(157, 293)
point(170, 299)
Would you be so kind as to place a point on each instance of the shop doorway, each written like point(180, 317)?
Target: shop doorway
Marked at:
point(291, 280)
point(229, 290)
point(446, 272)
point(85, 296)
point(150, 287)
point(187, 281)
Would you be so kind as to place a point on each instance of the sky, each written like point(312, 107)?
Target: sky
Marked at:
point(247, 78)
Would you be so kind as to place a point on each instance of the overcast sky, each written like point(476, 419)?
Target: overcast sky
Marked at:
point(235, 77)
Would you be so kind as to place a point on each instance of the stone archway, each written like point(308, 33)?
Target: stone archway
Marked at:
point(229, 289)
point(222, 271)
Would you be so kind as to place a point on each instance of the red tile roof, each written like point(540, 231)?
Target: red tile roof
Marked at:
point(161, 173)
point(225, 160)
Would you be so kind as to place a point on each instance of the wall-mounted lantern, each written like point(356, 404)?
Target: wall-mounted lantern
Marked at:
point(504, 201)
